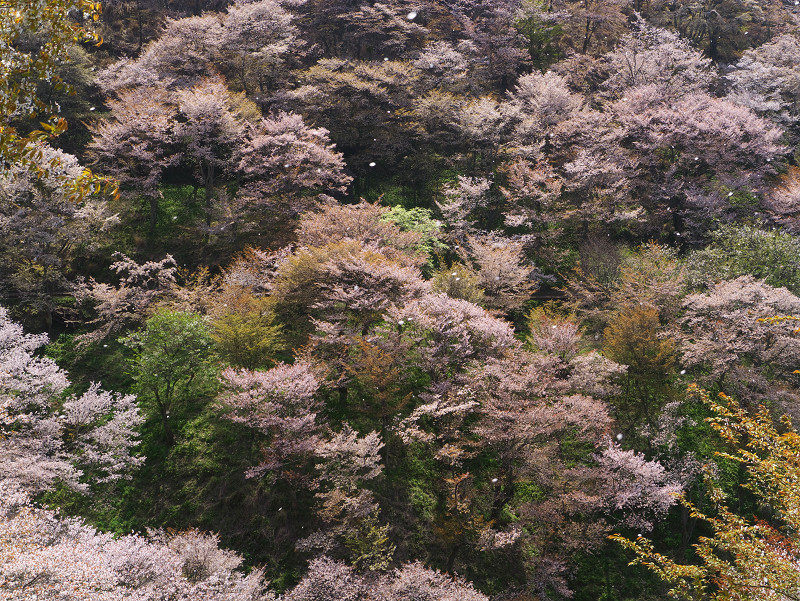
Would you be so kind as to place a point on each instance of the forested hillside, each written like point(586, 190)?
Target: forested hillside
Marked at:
point(412, 300)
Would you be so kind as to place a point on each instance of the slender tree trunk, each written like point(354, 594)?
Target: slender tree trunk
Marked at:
point(587, 35)
point(209, 183)
point(385, 423)
point(139, 23)
point(451, 559)
point(153, 214)
point(169, 436)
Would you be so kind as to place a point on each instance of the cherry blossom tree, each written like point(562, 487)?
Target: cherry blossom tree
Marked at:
point(285, 163)
point(447, 64)
point(129, 303)
point(358, 103)
point(640, 490)
point(180, 58)
point(461, 202)
point(328, 579)
point(506, 276)
point(138, 143)
point(432, 123)
point(444, 335)
point(281, 403)
point(483, 125)
point(540, 101)
point(583, 148)
point(101, 430)
point(366, 31)
point(766, 80)
point(211, 134)
point(517, 408)
point(249, 44)
point(653, 56)
point(694, 155)
point(255, 41)
point(489, 25)
point(783, 201)
point(347, 508)
point(521, 409)
point(726, 342)
point(343, 287)
point(44, 231)
point(87, 437)
point(415, 581)
point(46, 552)
point(592, 25)
point(370, 224)
point(535, 207)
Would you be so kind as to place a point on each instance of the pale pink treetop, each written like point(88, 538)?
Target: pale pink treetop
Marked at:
point(281, 404)
point(92, 436)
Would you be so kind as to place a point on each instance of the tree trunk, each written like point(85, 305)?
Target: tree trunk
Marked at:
point(209, 184)
point(587, 35)
point(451, 559)
point(153, 214)
point(169, 436)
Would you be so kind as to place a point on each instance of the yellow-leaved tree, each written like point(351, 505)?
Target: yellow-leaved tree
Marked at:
point(743, 559)
point(35, 37)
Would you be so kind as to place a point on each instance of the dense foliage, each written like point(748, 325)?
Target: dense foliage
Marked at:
point(433, 300)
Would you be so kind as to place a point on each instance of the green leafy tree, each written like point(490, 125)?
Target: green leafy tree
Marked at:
point(418, 220)
point(173, 365)
point(737, 250)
